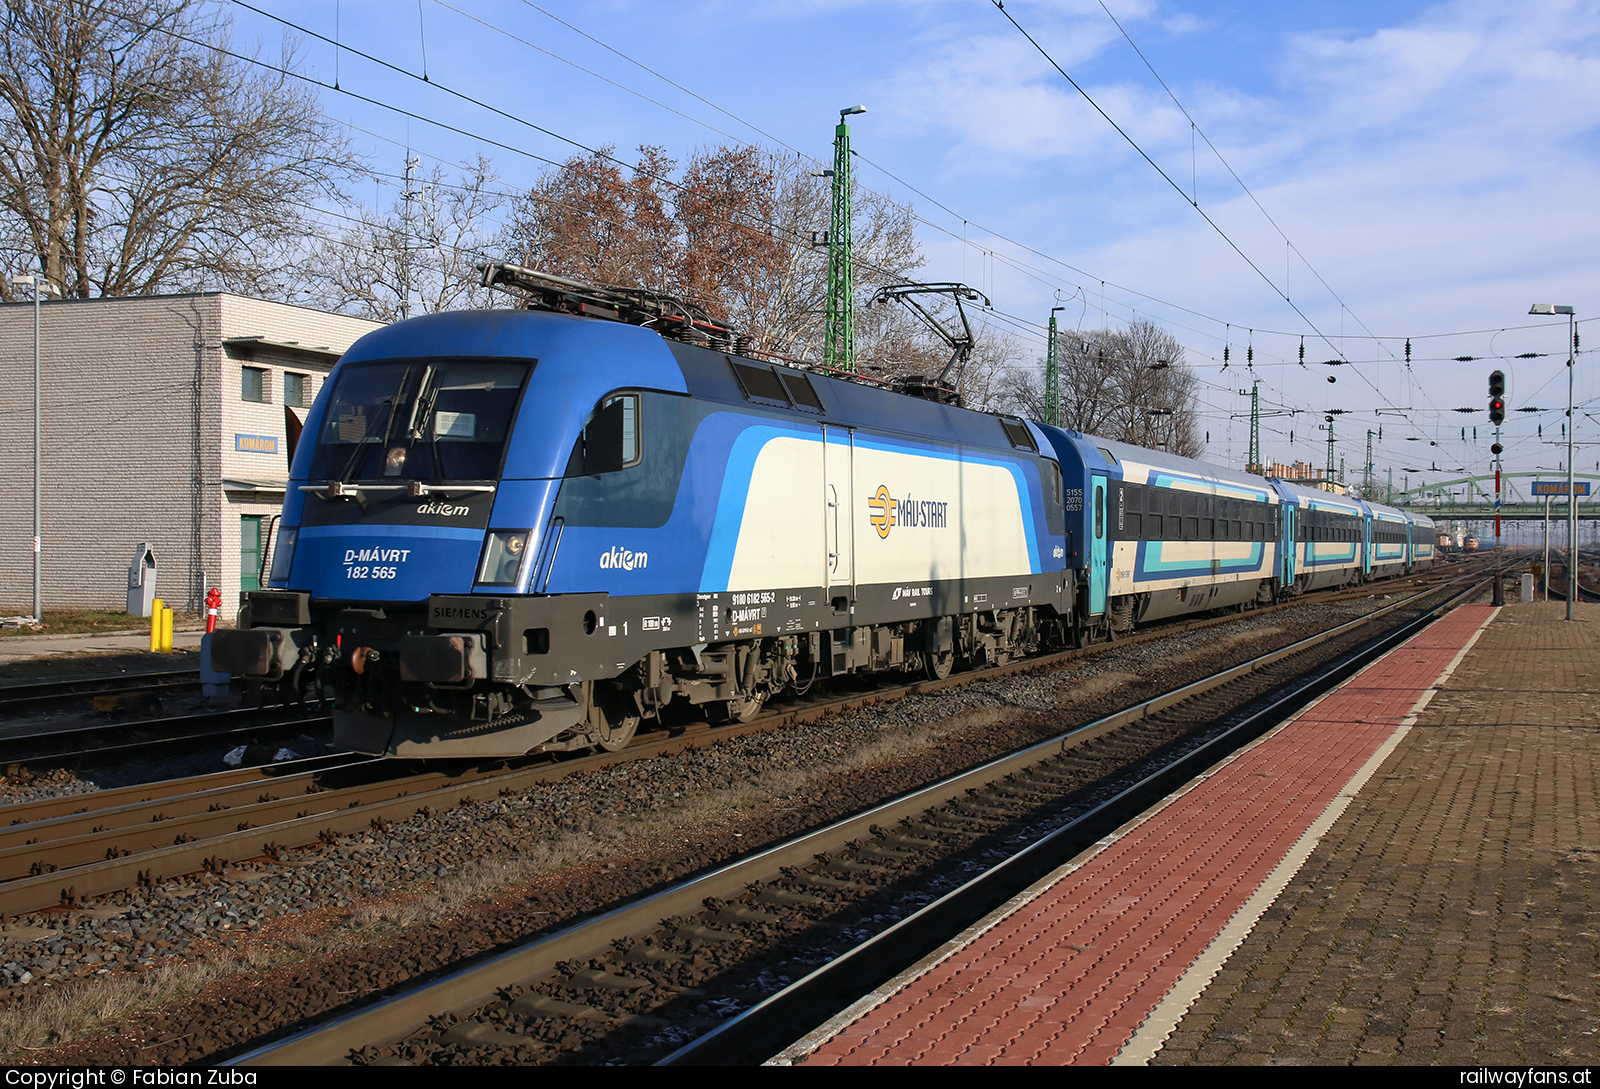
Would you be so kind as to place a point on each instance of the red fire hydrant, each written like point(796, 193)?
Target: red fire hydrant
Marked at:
point(213, 603)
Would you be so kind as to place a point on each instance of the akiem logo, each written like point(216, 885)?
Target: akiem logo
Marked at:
point(888, 512)
point(623, 560)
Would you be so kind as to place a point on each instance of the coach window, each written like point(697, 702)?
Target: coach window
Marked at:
point(253, 386)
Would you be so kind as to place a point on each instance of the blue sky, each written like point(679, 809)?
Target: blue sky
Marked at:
point(1433, 166)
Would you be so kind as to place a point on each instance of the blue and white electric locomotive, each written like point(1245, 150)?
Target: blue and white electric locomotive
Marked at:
point(518, 530)
point(513, 530)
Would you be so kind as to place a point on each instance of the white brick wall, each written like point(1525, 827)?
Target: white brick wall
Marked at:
point(141, 404)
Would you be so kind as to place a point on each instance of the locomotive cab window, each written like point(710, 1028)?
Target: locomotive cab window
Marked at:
point(434, 419)
point(609, 441)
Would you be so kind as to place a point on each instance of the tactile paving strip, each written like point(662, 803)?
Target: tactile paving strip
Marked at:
point(1071, 975)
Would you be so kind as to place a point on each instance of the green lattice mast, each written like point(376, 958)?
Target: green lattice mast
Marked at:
point(1052, 377)
point(1254, 465)
point(839, 345)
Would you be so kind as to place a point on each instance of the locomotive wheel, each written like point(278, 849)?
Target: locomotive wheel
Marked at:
point(614, 737)
point(938, 666)
point(611, 724)
point(722, 712)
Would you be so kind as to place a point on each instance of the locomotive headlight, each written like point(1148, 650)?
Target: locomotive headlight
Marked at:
point(503, 553)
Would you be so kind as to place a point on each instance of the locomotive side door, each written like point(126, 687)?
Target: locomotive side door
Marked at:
point(838, 488)
point(1099, 546)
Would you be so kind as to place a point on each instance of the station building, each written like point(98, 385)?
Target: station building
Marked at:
point(163, 421)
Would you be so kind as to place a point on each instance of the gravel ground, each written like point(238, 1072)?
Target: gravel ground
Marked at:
point(270, 943)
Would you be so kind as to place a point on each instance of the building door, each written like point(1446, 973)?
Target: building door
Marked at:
point(250, 552)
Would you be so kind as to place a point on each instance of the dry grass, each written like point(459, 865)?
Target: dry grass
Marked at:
point(80, 621)
point(86, 1008)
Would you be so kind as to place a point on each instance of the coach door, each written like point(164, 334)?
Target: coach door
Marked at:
point(1098, 547)
point(838, 527)
point(1291, 518)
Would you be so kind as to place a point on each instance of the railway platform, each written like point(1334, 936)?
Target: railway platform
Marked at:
point(1407, 872)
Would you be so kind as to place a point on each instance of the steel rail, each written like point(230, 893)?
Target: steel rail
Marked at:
point(56, 748)
point(13, 696)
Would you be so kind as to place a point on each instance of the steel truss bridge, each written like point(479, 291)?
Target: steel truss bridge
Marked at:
point(1472, 497)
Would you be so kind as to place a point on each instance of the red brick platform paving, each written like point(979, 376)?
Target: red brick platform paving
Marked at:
point(1069, 976)
point(1452, 913)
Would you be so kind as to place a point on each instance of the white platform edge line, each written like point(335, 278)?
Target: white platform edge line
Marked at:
point(1152, 1034)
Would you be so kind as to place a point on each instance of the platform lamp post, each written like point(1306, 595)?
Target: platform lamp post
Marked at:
point(1572, 425)
point(41, 286)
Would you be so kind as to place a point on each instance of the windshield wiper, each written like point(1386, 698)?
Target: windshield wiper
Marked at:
point(422, 420)
point(422, 409)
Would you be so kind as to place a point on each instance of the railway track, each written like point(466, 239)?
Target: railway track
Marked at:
point(39, 694)
point(62, 852)
point(641, 982)
point(104, 744)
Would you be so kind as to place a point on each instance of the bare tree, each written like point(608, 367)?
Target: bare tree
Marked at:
point(590, 222)
point(987, 379)
point(732, 234)
point(1128, 384)
point(136, 155)
point(731, 253)
point(427, 255)
point(885, 251)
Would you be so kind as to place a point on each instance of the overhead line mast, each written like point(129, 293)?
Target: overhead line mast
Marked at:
point(839, 345)
point(1052, 391)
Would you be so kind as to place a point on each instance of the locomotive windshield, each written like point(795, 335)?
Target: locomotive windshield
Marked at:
point(419, 419)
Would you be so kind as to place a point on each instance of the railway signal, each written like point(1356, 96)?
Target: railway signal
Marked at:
point(1497, 397)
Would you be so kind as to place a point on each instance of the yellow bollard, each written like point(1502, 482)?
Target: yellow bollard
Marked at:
point(155, 626)
point(166, 631)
